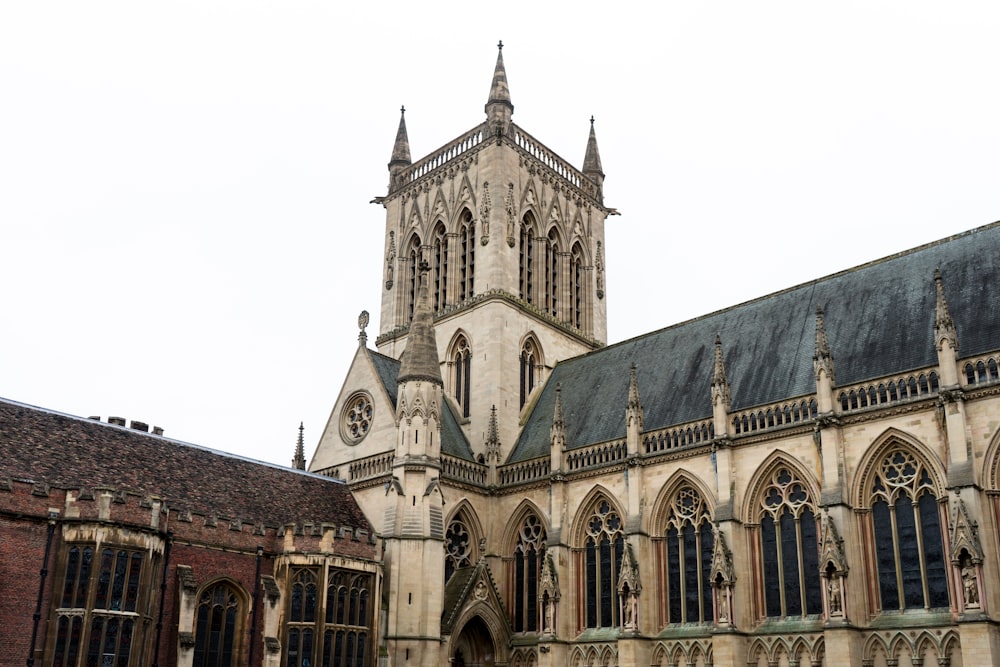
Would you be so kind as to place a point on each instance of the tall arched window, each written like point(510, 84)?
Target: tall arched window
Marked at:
point(463, 374)
point(440, 267)
point(217, 626)
point(347, 630)
point(467, 265)
point(529, 360)
point(302, 604)
point(412, 277)
point(529, 553)
point(576, 293)
point(526, 258)
point(552, 274)
point(789, 547)
point(458, 547)
point(602, 557)
point(906, 521)
point(686, 558)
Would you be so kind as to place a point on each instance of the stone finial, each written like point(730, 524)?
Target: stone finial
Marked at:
point(944, 326)
point(558, 431)
point(299, 460)
point(493, 438)
point(720, 385)
point(420, 358)
point(401, 147)
point(362, 325)
point(499, 108)
point(633, 411)
point(822, 359)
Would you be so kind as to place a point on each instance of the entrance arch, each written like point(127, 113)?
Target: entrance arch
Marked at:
point(474, 646)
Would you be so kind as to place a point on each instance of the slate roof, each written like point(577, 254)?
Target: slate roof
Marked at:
point(453, 440)
point(69, 452)
point(879, 319)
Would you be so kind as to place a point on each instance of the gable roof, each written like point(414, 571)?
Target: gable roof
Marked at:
point(70, 452)
point(879, 320)
point(453, 440)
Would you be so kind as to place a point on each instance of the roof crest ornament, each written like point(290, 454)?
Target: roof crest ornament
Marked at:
point(944, 325)
point(822, 358)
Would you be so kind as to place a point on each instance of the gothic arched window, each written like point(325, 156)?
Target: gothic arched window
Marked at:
point(576, 293)
point(525, 266)
point(463, 374)
point(440, 267)
point(529, 361)
point(412, 276)
point(686, 557)
point(529, 553)
point(467, 257)
point(348, 624)
point(789, 547)
point(552, 274)
point(458, 547)
point(217, 628)
point(906, 521)
point(602, 557)
point(302, 603)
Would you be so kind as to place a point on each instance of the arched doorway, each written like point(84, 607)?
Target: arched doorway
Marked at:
point(474, 646)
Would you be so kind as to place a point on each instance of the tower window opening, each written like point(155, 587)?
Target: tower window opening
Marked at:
point(463, 375)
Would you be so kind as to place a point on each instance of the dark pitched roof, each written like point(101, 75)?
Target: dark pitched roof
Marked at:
point(879, 320)
point(453, 440)
point(74, 453)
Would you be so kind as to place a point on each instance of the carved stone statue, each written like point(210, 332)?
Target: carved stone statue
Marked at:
point(833, 595)
point(550, 608)
point(970, 584)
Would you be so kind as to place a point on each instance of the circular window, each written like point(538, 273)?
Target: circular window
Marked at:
point(357, 418)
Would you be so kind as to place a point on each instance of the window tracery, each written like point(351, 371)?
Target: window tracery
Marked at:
point(458, 545)
point(412, 276)
point(552, 274)
point(686, 556)
point(440, 251)
point(529, 556)
point(576, 291)
point(526, 259)
point(906, 527)
point(217, 626)
point(467, 256)
point(789, 547)
point(463, 374)
point(602, 556)
point(529, 361)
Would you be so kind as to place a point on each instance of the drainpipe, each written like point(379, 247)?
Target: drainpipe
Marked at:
point(41, 585)
point(163, 595)
point(256, 605)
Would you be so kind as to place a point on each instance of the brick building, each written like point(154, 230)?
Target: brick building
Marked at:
point(121, 547)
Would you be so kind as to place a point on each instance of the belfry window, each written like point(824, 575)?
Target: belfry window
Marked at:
point(526, 259)
point(789, 548)
point(552, 274)
point(463, 374)
point(413, 277)
point(686, 558)
point(529, 553)
point(603, 547)
point(906, 522)
point(440, 268)
point(217, 626)
point(467, 267)
point(101, 602)
point(576, 293)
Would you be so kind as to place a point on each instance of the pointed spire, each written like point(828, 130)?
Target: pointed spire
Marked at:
point(401, 149)
point(944, 326)
point(499, 108)
point(822, 358)
point(592, 160)
point(720, 385)
point(633, 411)
point(493, 437)
point(420, 358)
point(362, 325)
point(558, 430)
point(299, 460)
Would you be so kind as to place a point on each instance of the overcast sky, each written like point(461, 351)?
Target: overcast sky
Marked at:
point(185, 233)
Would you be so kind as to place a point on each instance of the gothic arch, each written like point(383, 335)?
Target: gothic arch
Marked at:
point(530, 362)
point(889, 439)
point(661, 505)
point(439, 209)
point(462, 537)
point(231, 628)
point(775, 460)
point(458, 375)
point(510, 532)
point(459, 334)
point(466, 196)
point(529, 199)
point(495, 624)
point(991, 464)
point(560, 235)
point(465, 509)
point(593, 497)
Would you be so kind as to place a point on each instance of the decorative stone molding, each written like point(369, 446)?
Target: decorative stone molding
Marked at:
point(186, 577)
point(484, 213)
point(271, 589)
point(185, 639)
point(629, 588)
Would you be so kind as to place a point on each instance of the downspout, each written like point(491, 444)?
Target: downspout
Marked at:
point(163, 595)
point(41, 586)
point(256, 605)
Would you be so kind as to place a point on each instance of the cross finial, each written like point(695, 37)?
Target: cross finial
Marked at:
point(402, 110)
point(592, 119)
point(500, 45)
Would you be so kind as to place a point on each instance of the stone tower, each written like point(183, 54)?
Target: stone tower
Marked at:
point(514, 239)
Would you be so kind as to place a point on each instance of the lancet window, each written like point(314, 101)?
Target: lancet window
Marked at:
point(686, 559)
point(603, 547)
point(217, 626)
point(552, 274)
point(529, 362)
point(412, 276)
point(526, 259)
point(576, 291)
point(529, 553)
point(789, 547)
point(463, 374)
point(467, 250)
point(440, 253)
point(906, 525)
point(302, 603)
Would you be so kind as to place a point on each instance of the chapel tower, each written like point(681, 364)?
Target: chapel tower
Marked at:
point(514, 239)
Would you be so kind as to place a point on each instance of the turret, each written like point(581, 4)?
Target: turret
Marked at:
point(720, 393)
point(945, 336)
point(299, 460)
point(400, 159)
point(633, 415)
point(823, 367)
point(592, 164)
point(499, 108)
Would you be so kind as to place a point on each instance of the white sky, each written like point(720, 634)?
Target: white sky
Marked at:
point(185, 233)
